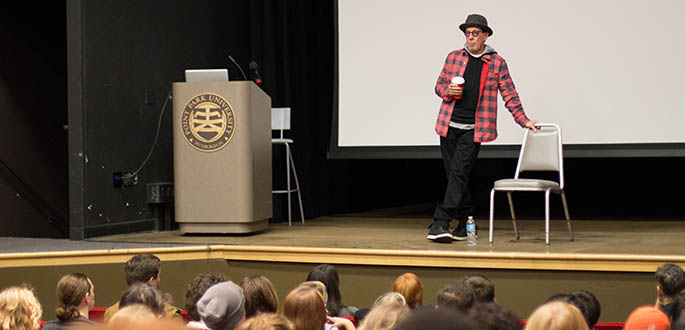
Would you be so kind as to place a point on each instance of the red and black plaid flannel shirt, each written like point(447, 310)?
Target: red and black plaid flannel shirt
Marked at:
point(495, 76)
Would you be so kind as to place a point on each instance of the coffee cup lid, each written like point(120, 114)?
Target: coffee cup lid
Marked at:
point(458, 80)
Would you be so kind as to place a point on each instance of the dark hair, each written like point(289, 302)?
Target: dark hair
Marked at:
point(437, 319)
point(678, 324)
point(142, 267)
point(196, 288)
point(482, 287)
point(592, 309)
point(493, 316)
point(260, 295)
point(456, 296)
point(678, 309)
point(71, 289)
point(670, 279)
point(143, 294)
point(328, 275)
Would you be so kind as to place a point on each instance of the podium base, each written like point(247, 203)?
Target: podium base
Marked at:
point(224, 228)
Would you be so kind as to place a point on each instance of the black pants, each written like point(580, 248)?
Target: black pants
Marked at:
point(459, 154)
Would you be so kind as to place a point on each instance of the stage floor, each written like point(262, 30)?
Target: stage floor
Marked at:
point(374, 231)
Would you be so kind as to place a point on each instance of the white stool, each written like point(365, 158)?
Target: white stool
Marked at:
point(280, 120)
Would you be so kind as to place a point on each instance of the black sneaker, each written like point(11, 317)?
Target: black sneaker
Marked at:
point(459, 234)
point(439, 234)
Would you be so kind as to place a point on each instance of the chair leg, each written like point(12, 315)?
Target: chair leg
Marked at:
point(297, 186)
point(287, 171)
point(568, 217)
point(513, 216)
point(492, 216)
point(547, 217)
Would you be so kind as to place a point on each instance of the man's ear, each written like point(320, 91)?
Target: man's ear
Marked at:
point(659, 293)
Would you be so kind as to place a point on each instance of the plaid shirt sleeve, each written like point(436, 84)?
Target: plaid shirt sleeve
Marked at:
point(510, 96)
point(444, 79)
point(454, 66)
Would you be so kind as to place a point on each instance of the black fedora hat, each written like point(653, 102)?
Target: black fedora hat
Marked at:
point(475, 20)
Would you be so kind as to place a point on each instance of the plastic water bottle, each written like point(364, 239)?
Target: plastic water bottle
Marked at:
point(471, 232)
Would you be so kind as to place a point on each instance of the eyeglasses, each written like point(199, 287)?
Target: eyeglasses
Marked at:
point(474, 33)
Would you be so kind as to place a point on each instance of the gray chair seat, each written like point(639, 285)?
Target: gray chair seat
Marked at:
point(525, 184)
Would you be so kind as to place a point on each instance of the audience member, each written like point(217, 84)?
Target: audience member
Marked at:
point(493, 316)
point(19, 309)
point(483, 289)
point(647, 318)
point(222, 306)
point(678, 325)
point(267, 321)
point(411, 288)
point(75, 297)
point(388, 298)
point(143, 294)
point(304, 307)
point(678, 309)
point(131, 316)
point(328, 275)
point(196, 288)
point(556, 315)
point(670, 280)
point(384, 317)
point(144, 268)
point(318, 286)
point(260, 295)
point(456, 296)
point(437, 319)
point(591, 307)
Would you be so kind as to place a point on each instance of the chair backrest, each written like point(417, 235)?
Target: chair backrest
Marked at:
point(542, 151)
point(280, 119)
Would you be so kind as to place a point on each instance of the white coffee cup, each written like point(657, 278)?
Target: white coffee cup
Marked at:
point(459, 81)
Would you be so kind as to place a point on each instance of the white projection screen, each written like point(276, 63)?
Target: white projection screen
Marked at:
point(608, 72)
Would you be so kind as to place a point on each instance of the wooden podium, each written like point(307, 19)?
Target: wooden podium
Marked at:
point(222, 157)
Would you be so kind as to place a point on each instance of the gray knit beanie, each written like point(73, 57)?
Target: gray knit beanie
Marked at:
point(222, 306)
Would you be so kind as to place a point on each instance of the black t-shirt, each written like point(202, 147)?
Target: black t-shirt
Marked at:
point(465, 108)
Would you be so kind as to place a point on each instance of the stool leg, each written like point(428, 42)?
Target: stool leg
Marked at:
point(287, 171)
point(297, 187)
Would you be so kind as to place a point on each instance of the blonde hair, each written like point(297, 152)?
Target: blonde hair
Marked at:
point(390, 298)
point(384, 317)
point(266, 321)
point(556, 315)
point(409, 286)
point(19, 309)
point(305, 308)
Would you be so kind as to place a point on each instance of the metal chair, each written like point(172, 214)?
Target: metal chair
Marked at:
point(280, 121)
point(541, 151)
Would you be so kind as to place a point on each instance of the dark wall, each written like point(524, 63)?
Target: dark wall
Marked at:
point(33, 108)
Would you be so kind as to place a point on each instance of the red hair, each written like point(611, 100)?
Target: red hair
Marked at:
point(411, 288)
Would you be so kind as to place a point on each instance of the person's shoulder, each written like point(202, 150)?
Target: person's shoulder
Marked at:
point(456, 52)
point(52, 325)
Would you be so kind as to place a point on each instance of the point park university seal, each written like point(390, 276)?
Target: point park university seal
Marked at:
point(208, 122)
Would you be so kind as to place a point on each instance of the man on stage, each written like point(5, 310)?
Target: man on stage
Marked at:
point(468, 117)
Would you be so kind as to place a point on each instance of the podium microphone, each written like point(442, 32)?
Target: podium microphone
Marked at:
point(254, 67)
point(236, 64)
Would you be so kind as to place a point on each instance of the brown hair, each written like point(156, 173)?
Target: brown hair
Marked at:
point(196, 288)
point(71, 289)
point(19, 309)
point(556, 315)
point(260, 295)
point(266, 321)
point(305, 308)
point(144, 294)
point(142, 267)
point(409, 286)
